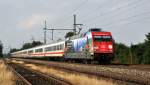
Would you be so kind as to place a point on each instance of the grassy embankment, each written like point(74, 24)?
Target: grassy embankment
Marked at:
point(75, 79)
point(6, 76)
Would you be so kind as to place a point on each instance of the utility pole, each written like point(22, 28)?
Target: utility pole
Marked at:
point(52, 33)
point(45, 28)
point(75, 25)
point(74, 29)
point(32, 39)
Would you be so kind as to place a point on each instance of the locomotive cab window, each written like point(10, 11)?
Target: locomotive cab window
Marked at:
point(102, 38)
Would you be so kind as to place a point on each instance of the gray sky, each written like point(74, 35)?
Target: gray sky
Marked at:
point(22, 20)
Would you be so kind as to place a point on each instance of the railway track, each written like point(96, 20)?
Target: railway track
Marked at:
point(121, 73)
point(121, 66)
point(31, 77)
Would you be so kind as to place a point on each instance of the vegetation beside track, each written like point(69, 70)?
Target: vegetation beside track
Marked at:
point(75, 79)
point(126, 74)
point(134, 54)
point(6, 76)
point(1, 49)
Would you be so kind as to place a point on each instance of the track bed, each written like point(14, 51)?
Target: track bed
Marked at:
point(32, 77)
point(116, 72)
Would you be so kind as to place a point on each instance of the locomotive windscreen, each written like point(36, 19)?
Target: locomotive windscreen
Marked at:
point(102, 38)
point(95, 30)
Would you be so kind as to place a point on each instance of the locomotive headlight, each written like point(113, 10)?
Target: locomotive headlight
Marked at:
point(95, 47)
point(110, 46)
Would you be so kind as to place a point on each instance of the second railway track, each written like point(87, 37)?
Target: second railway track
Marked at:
point(31, 77)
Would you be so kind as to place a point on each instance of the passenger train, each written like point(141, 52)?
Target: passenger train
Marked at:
point(94, 45)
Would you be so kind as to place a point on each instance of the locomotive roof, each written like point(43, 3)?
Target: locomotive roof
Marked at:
point(101, 33)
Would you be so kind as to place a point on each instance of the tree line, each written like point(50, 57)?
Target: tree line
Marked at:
point(1, 49)
point(26, 46)
point(134, 54)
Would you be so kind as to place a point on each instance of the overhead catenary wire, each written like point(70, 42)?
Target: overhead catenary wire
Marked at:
point(60, 36)
point(129, 18)
point(122, 13)
point(102, 5)
point(102, 15)
point(118, 9)
point(73, 11)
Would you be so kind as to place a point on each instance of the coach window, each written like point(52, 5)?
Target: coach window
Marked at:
point(48, 49)
point(39, 50)
point(54, 48)
point(31, 51)
point(57, 47)
point(61, 46)
point(25, 52)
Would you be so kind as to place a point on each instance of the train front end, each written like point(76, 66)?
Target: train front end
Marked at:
point(103, 46)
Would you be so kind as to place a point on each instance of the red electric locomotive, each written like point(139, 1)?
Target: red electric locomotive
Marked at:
point(103, 46)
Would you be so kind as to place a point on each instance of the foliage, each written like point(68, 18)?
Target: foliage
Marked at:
point(69, 34)
point(27, 45)
point(14, 50)
point(30, 45)
point(121, 53)
point(138, 53)
point(1, 49)
point(146, 54)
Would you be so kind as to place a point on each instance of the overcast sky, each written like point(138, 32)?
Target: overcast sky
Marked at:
point(23, 20)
